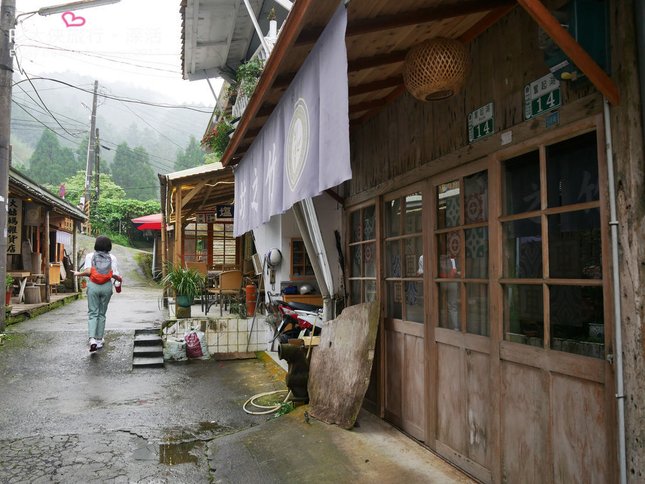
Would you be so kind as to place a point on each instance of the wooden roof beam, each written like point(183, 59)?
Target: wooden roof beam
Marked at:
point(359, 89)
point(408, 19)
point(572, 49)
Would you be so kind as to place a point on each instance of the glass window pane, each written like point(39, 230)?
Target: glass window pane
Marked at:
point(370, 291)
point(572, 171)
point(393, 218)
point(413, 207)
point(414, 302)
point(355, 291)
point(369, 259)
point(522, 184)
point(524, 314)
point(356, 254)
point(523, 248)
point(574, 245)
point(577, 320)
point(413, 255)
point(393, 259)
point(355, 226)
point(477, 253)
point(477, 309)
point(448, 210)
point(449, 249)
point(369, 223)
point(476, 198)
point(449, 305)
point(394, 300)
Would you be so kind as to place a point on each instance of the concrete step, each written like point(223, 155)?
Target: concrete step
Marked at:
point(147, 339)
point(147, 362)
point(146, 331)
point(156, 350)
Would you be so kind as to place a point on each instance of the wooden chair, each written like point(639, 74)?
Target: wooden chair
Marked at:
point(229, 288)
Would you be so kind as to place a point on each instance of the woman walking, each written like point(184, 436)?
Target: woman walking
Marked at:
point(101, 267)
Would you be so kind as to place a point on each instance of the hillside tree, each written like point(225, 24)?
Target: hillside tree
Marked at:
point(51, 163)
point(191, 156)
point(131, 170)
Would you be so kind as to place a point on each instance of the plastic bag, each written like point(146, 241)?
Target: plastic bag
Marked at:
point(174, 350)
point(193, 345)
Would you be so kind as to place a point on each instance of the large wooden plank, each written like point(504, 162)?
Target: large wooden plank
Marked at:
point(525, 424)
point(340, 367)
point(578, 429)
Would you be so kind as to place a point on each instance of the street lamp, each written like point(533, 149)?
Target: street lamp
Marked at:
point(7, 25)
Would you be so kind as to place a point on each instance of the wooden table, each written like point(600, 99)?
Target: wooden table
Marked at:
point(22, 277)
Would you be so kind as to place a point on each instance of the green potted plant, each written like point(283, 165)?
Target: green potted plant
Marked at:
point(8, 288)
point(248, 74)
point(187, 284)
point(218, 137)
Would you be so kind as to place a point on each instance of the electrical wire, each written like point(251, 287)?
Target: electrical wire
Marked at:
point(117, 98)
point(41, 99)
point(39, 121)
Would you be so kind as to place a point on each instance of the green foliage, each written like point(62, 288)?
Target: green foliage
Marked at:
point(248, 74)
point(144, 261)
point(183, 281)
point(114, 216)
point(217, 138)
point(50, 163)
point(75, 185)
point(239, 308)
point(131, 170)
point(284, 409)
point(192, 156)
point(8, 282)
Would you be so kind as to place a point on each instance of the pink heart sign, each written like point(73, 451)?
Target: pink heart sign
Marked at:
point(72, 20)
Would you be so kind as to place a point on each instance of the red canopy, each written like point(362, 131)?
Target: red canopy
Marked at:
point(148, 222)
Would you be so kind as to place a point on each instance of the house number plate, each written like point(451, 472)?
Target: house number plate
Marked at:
point(541, 96)
point(481, 123)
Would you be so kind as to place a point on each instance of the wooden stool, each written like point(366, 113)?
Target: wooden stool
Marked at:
point(32, 295)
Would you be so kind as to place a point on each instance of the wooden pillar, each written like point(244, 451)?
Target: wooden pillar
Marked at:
point(178, 255)
point(209, 245)
point(46, 258)
point(74, 249)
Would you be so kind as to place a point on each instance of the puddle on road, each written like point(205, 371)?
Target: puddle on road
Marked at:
point(177, 453)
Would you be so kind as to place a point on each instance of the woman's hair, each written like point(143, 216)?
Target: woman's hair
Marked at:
point(103, 244)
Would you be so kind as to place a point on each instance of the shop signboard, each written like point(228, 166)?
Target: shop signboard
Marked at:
point(224, 213)
point(14, 226)
point(481, 122)
point(541, 96)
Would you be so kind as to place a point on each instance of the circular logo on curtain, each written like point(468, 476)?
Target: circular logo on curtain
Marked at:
point(297, 145)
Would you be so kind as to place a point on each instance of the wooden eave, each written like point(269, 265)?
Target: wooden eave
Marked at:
point(200, 193)
point(379, 35)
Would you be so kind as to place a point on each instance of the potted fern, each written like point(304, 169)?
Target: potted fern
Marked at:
point(187, 284)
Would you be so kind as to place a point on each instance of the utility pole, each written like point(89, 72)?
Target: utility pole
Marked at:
point(7, 24)
point(90, 159)
point(97, 168)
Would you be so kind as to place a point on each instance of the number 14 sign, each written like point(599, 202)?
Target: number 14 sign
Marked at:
point(541, 96)
point(481, 122)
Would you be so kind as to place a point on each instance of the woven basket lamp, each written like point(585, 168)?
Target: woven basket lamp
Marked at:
point(436, 69)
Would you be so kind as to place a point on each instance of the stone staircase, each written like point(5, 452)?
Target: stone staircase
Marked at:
point(148, 349)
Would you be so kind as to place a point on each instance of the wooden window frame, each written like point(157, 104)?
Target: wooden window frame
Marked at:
point(306, 262)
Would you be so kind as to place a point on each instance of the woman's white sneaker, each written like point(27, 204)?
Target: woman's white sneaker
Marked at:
point(93, 345)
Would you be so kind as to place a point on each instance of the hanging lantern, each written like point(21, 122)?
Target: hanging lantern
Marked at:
point(436, 69)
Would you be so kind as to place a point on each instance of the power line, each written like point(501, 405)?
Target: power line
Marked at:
point(39, 121)
point(117, 98)
point(104, 57)
point(41, 99)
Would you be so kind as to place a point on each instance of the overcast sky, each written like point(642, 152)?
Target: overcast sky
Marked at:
point(135, 41)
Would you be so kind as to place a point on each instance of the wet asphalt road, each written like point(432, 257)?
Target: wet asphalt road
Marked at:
point(70, 416)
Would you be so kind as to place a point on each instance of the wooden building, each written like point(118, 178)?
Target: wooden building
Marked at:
point(197, 219)
point(501, 227)
point(41, 230)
